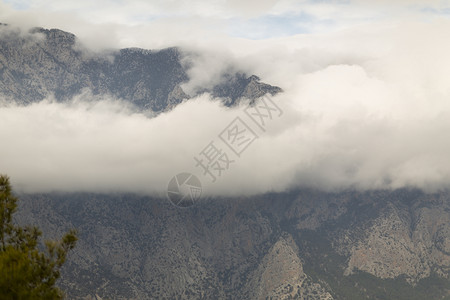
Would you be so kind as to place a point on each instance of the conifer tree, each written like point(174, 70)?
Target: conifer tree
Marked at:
point(26, 272)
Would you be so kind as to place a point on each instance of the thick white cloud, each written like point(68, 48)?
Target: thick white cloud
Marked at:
point(100, 146)
point(365, 107)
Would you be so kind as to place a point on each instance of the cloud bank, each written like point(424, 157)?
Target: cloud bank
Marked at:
point(364, 107)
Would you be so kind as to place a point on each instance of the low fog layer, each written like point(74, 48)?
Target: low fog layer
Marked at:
point(362, 108)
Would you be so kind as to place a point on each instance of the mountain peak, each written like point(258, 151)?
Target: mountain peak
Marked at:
point(149, 79)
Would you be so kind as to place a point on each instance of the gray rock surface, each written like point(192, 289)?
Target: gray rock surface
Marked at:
point(372, 245)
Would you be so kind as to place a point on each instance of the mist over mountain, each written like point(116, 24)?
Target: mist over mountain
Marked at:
point(342, 196)
point(359, 115)
point(45, 63)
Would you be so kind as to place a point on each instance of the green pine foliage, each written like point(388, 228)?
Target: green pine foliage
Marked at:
point(26, 272)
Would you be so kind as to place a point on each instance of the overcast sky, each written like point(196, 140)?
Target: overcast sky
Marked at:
point(366, 100)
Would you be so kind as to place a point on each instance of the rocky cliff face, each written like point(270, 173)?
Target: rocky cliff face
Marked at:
point(298, 245)
point(46, 63)
point(280, 275)
point(410, 241)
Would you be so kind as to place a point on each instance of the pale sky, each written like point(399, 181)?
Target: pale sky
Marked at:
point(250, 19)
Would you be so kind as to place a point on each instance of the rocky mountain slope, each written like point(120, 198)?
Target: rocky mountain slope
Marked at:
point(46, 62)
point(298, 245)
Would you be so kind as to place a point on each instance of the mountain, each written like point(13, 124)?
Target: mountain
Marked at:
point(301, 244)
point(49, 62)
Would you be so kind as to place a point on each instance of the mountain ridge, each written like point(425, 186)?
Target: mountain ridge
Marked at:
point(136, 247)
point(34, 67)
